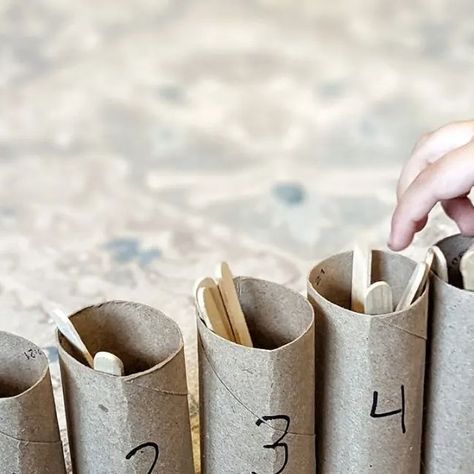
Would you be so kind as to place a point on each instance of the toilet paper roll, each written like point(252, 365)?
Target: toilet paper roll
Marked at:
point(369, 372)
point(136, 423)
point(257, 403)
point(449, 416)
point(29, 435)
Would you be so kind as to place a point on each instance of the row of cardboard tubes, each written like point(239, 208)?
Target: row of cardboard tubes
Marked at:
point(218, 301)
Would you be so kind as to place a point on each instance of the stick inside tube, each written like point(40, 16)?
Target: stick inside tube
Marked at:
point(218, 303)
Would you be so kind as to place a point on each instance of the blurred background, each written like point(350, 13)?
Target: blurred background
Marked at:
point(143, 141)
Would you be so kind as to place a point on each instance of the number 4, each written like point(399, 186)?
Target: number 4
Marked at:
point(374, 414)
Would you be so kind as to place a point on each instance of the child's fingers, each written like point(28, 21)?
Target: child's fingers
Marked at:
point(421, 224)
point(414, 166)
point(446, 138)
point(409, 173)
point(448, 178)
point(432, 147)
point(461, 211)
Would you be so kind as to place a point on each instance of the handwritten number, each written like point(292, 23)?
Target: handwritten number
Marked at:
point(320, 276)
point(32, 353)
point(142, 446)
point(374, 414)
point(278, 443)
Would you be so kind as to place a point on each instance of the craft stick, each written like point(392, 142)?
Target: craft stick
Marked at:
point(424, 281)
point(68, 330)
point(415, 286)
point(467, 269)
point(225, 283)
point(436, 261)
point(378, 299)
point(216, 310)
point(102, 361)
point(207, 307)
point(200, 305)
point(108, 363)
point(361, 276)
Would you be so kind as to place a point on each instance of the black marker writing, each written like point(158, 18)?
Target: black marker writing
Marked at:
point(32, 353)
point(374, 414)
point(142, 446)
point(320, 276)
point(456, 260)
point(278, 443)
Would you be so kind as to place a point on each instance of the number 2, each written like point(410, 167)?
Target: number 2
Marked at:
point(145, 445)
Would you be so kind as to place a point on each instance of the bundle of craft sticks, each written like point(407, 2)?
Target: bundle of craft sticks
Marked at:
point(219, 305)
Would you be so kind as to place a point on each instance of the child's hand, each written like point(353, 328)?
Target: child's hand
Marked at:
point(441, 169)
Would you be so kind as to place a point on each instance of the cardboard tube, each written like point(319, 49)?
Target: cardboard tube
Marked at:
point(137, 423)
point(29, 435)
point(257, 404)
point(449, 415)
point(369, 372)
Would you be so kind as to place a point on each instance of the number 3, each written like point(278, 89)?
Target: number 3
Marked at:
point(278, 443)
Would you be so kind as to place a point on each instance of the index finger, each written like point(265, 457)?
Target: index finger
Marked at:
point(449, 177)
point(433, 146)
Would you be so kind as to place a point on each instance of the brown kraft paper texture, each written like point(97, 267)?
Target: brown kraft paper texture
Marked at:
point(29, 435)
point(257, 404)
point(137, 423)
point(449, 416)
point(369, 372)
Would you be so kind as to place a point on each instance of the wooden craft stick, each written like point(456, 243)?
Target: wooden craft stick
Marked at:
point(467, 269)
point(70, 333)
point(415, 287)
point(199, 301)
point(216, 309)
point(378, 298)
point(108, 363)
point(436, 261)
point(102, 361)
point(225, 283)
point(361, 276)
point(215, 320)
